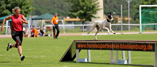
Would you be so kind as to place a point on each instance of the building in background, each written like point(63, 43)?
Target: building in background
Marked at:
point(100, 13)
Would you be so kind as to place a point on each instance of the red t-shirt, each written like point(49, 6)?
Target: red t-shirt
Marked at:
point(17, 24)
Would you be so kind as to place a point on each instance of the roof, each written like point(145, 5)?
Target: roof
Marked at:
point(45, 16)
point(1, 18)
point(72, 19)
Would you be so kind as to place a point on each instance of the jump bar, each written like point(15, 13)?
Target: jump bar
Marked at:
point(129, 45)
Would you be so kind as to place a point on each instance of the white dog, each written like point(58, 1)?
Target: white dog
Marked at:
point(105, 24)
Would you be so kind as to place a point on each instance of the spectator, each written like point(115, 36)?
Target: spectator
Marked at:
point(34, 32)
point(42, 32)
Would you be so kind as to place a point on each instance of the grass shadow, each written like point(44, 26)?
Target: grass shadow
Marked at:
point(4, 61)
point(139, 65)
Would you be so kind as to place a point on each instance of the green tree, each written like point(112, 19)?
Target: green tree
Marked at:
point(114, 6)
point(84, 9)
point(6, 7)
point(146, 2)
point(50, 6)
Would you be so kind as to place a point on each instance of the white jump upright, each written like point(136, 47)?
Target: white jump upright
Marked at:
point(129, 57)
point(116, 57)
point(89, 56)
point(77, 55)
point(111, 57)
point(83, 59)
point(123, 55)
point(122, 61)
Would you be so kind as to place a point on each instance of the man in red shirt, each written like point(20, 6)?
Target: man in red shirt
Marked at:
point(16, 30)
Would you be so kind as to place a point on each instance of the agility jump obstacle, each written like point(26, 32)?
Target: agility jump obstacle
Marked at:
point(125, 45)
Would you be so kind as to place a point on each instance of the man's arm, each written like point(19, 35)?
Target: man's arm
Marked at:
point(36, 32)
point(52, 22)
point(24, 20)
point(4, 20)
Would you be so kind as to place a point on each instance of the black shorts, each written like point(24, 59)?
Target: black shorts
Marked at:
point(17, 37)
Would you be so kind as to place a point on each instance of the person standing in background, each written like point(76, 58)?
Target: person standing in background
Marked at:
point(54, 22)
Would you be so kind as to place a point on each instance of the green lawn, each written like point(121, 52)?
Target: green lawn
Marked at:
point(46, 52)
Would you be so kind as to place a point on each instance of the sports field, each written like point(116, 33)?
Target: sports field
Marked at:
point(46, 52)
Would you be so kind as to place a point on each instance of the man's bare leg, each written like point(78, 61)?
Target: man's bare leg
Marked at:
point(18, 47)
point(10, 46)
point(13, 45)
point(19, 50)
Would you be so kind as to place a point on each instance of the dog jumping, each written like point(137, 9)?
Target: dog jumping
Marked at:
point(105, 24)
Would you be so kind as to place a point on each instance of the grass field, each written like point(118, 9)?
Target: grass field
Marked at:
point(46, 52)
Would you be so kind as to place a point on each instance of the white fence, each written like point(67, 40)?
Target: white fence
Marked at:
point(80, 28)
point(85, 27)
point(7, 30)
